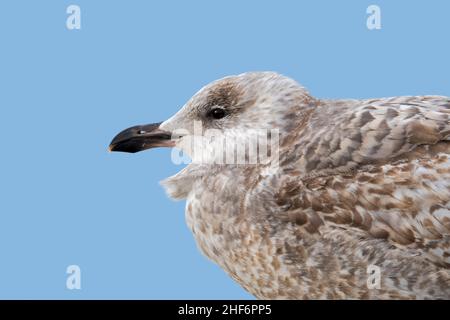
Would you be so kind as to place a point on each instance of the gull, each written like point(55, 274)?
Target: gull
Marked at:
point(353, 202)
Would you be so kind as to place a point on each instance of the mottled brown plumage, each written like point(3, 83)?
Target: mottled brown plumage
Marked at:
point(357, 183)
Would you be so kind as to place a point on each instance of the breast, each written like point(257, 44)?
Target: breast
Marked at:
point(226, 234)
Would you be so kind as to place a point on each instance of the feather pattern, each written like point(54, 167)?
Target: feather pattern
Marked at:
point(359, 183)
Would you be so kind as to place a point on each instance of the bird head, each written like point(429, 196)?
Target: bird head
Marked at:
point(234, 108)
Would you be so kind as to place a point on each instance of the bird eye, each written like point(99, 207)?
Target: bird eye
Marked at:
point(217, 113)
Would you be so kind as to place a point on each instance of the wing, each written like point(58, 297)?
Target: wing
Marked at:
point(380, 168)
point(342, 135)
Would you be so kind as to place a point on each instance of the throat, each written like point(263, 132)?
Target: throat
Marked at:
point(181, 184)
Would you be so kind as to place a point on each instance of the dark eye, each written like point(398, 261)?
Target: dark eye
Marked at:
point(217, 113)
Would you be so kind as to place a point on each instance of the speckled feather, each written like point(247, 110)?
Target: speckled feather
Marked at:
point(359, 183)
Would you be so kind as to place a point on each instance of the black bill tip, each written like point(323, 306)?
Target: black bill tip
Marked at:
point(139, 138)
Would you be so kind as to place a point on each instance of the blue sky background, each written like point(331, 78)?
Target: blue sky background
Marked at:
point(64, 94)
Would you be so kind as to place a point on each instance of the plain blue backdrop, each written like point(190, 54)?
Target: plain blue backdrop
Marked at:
point(64, 94)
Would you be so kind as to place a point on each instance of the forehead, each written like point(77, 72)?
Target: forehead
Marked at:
point(225, 93)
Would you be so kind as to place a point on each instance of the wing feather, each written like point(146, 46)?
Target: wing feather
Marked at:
point(380, 166)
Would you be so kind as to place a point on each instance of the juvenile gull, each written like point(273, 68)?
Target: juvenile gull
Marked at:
point(357, 185)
